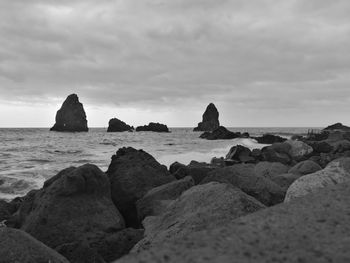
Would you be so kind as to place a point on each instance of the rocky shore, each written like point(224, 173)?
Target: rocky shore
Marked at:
point(288, 202)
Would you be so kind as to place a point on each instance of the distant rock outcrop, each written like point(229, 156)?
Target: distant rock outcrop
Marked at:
point(222, 133)
point(337, 127)
point(116, 125)
point(154, 127)
point(71, 117)
point(210, 120)
point(269, 139)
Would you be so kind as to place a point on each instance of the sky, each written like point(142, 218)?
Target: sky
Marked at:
point(261, 62)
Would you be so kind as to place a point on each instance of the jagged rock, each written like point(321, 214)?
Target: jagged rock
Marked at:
point(73, 206)
point(132, 174)
point(71, 117)
point(153, 127)
point(337, 127)
point(174, 167)
point(116, 125)
point(338, 171)
point(201, 207)
point(305, 167)
point(243, 176)
point(156, 200)
point(239, 154)
point(210, 121)
point(269, 139)
point(220, 133)
point(314, 228)
point(18, 247)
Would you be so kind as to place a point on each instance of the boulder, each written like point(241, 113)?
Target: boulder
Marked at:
point(73, 206)
point(305, 167)
point(219, 162)
point(312, 229)
point(243, 176)
point(340, 146)
point(175, 166)
point(269, 139)
point(210, 120)
point(153, 127)
point(5, 212)
point(220, 133)
point(201, 207)
point(132, 174)
point(116, 125)
point(71, 116)
point(337, 127)
point(17, 246)
point(338, 171)
point(277, 152)
point(157, 199)
point(239, 154)
point(198, 171)
point(285, 180)
point(270, 169)
point(298, 149)
point(320, 146)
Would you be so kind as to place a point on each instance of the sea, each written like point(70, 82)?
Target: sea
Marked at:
point(29, 156)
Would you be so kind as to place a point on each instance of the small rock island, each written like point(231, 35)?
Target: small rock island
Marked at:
point(153, 127)
point(116, 125)
point(71, 116)
point(210, 120)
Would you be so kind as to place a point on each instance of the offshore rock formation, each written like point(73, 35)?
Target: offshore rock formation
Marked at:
point(71, 117)
point(154, 127)
point(116, 125)
point(210, 120)
point(222, 133)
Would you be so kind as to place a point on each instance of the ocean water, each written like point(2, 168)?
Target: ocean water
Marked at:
point(29, 156)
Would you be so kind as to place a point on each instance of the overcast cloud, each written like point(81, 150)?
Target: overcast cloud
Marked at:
point(263, 62)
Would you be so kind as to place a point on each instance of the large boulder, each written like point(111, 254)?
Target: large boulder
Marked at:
point(270, 169)
point(320, 146)
point(71, 116)
point(197, 170)
point(116, 125)
point(153, 127)
point(73, 206)
point(269, 139)
point(277, 152)
point(305, 167)
point(210, 120)
point(17, 246)
point(244, 177)
point(337, 127)
point(338, 171)
point(239, 154)
point(312, 229)
point(201, 207)
point(340, 146)
point(132, 174)
point(5, 210)
point(156, 200)
point(221, 133)
point(298, 149)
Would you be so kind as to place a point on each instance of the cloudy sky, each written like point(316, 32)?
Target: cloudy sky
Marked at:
point(262, 62)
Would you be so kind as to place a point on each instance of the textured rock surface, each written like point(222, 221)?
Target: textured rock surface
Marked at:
point(298, 149)
point(116, 125)
point(220, 133)
point(210, 120)
point(201, 207)
point(132, 174)
point(305, 167)
point(270, 169)
point(239, 154)
point(243, 176)
point(338, 171)
point(153, 127)
point(269, 139)
point(157, 199)
point(71, 117)
point(337, 127)
point(312, 229)
point(198, 171)
point(18, 247)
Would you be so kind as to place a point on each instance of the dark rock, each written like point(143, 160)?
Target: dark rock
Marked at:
point(198, 171)
point(320, 146)
point(219, 162)
point(116, 125)
point(240, 154)
point(4, 210)
point(220, 133)
point(269, 139)
point(285, 180)
point(314, 228)
point(256, 154)
point(80, 252)
point(18, 247)
point(243, 176)
point(269, 169)
point(174, 167)
point(153, 127)
point(73, 206)
point(340, 146)
point(201, 207)
point(210, 121)
point(337, 127)
point(277, 152)
point(157, 199)
point(71, 117)
point(132, 174)
point(305, 167)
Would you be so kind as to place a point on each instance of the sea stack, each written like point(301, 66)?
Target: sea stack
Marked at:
point(210, 120)
point(116, 125)
point(71, 116)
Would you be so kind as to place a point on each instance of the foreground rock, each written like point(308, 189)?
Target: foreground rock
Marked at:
point(198, 171)
point(269, 139)
point(305, 167)
point(336, 172)
point(153, 127)
point(239, 154)
point(18, 247)
point(201, 207)
point(156, 200)
point(210, 119)
point(71, 117)
point(220, 133)
point(244, 177)
point(299, 231)
point(132, 174)
point(116, 125)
